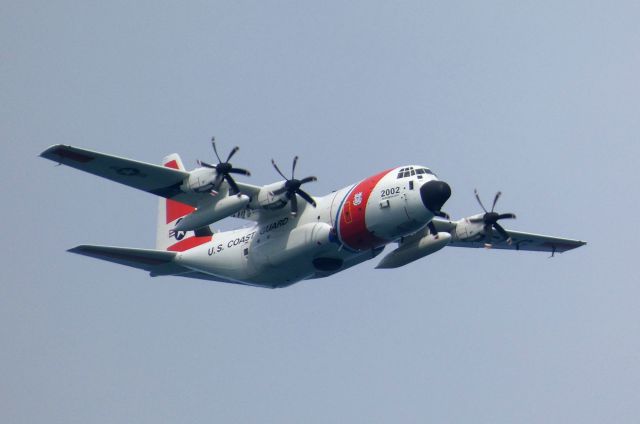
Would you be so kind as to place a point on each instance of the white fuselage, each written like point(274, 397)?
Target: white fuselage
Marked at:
point(348, 226)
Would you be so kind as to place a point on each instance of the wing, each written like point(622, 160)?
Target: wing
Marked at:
point(249, 189)
point(154, 179)
point(526, 241)
point(519, 240)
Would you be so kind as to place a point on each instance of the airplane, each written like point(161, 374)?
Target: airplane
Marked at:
point(293, 236)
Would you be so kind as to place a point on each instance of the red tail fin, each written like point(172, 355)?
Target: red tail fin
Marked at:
point(169, 212)
point(175, 209)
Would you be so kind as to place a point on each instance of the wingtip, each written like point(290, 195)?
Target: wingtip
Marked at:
point(48, 150)
point(576, 244)
point(53, 152)
point(77, 249)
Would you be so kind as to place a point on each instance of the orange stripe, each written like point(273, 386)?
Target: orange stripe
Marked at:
point(189, 243)
point(352, 228)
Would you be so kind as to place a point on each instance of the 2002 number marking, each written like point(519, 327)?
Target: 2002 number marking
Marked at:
point(389, 191)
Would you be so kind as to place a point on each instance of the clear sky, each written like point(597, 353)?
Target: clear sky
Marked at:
point(539, 99)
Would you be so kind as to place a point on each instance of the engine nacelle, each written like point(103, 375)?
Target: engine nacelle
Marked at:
point(200, 180)
point(267, 200)
point(410, 252)
point(212, 212)
point(465, 229)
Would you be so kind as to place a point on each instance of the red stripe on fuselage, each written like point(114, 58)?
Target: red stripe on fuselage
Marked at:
point(188, 243)
point(175, 209)
point(352, 226)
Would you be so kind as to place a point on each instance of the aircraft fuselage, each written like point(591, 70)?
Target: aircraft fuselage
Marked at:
point(348, 226)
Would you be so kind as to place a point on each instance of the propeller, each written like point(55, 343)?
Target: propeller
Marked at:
point(224, 169)
point(490, 220)
point(292, 187)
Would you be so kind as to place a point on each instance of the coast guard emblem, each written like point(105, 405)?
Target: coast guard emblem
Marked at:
point(357, 199)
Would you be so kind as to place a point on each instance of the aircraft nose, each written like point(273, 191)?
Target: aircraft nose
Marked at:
point(434, 194)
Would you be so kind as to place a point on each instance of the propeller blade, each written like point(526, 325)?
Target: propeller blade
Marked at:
point(490, 220)
point(293, 167)
point(495, 200)
point(306, 197)
point(479, 201)
point(488, 234)
point(444, 215)
point(213, 143)
point(234, 187)
point(273, 162)
point(279, 191)
point(292, 187)
point(502, 231)
point(308, 180)
point(240, 171)
point(218, 181)
point(206, 165)
point(233, 152)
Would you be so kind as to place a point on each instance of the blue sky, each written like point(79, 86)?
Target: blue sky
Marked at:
point(537, 99)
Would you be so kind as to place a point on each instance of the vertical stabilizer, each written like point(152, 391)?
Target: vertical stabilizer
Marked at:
point(169, 212)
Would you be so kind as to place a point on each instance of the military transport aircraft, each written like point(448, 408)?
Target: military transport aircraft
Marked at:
point(295, 236)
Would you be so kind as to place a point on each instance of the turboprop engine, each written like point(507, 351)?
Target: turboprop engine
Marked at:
point(268, 200)
point(200, 180)
point(483, 225)
point(465, 229)
point(277, 195)
point(210, 177)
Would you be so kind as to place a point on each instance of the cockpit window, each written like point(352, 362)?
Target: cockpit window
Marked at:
point(406, 172)
point(411, 171)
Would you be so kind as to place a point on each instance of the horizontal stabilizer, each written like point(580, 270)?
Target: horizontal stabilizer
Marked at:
point(158, 262)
